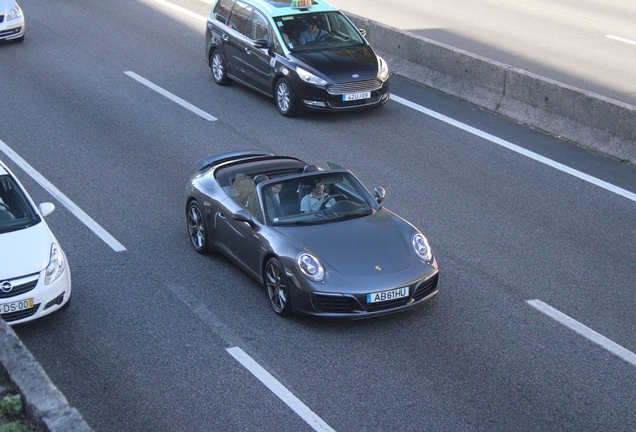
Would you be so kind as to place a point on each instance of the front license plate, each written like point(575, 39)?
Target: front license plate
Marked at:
point(356, 96)
point(387, 295)
point(16, 306)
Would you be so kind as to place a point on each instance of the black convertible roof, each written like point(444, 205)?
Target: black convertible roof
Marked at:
point(228, 156)
point(272, 166)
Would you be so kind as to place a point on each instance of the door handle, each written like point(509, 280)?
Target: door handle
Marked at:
point(224, 37)
point(247, 50)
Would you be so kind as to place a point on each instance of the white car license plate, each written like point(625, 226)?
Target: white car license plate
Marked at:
point(387, 295)
point(16, 306)
point(356, 96)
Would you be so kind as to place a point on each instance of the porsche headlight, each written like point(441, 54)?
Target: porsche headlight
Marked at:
point(310, 267)
point(422, 248)
point(56, 265)
point(310, 78)
point(383, 70)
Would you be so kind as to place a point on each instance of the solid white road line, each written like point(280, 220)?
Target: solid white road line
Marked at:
point(70, 205)
point(587, 332)
point(510, 146)
point(279, 390)
point(170, 96)
point(183, 10)
point(620, 39)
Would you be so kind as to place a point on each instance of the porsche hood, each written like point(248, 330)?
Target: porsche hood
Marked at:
point(357, 247)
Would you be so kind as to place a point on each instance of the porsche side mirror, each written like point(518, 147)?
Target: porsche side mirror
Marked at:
point(380, 193)
point(244, 216)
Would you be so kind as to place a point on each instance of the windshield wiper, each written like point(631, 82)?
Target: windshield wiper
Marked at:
point(13, 228)
point(349, 215)
point(301, 222)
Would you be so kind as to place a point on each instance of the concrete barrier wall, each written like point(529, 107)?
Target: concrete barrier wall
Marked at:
point(586, 118)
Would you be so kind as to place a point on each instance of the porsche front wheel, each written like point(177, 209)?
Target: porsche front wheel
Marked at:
point(197, 230)
point(277, 287)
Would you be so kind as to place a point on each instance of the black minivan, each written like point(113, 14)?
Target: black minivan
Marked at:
point(306, 54)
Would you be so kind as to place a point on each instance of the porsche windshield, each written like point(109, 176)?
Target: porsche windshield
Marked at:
point(318, 31)
point(16, 212)
point(324, 197)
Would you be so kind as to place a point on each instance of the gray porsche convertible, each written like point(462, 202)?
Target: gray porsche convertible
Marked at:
point(319, 242)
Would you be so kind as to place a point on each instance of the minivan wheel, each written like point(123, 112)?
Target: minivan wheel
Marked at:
point(285, 98)
point(219, 69)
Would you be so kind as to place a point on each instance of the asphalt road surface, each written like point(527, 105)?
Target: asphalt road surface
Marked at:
point(587, 44)
point(532, 329)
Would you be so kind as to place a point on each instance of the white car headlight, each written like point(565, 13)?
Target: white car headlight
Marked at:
point(56, 265)
point(383, 70)
point(310, 78)
point(14, 13)
point(310, 267)
point(422, 248)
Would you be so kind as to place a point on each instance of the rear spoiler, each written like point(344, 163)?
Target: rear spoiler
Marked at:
point(229, 156)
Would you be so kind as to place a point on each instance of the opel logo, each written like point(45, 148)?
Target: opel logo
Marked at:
point(355, 76)
point(378, 268)
point(6, 286)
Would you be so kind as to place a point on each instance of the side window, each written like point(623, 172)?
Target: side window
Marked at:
point(221, 10)
point(276, 44)
point(259, 28)
point(287, 31)
point(240, 17)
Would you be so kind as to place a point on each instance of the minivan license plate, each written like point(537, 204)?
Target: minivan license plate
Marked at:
point(356, 96)
point(387, 295)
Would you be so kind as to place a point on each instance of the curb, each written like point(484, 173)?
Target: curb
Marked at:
point(46, 407)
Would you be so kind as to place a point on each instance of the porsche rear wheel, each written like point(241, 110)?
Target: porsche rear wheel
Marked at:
point(197, 230)
point(277, 287)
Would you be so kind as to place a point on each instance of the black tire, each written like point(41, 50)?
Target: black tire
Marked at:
point(219, 69)
point(277, 287)
point(285, 98)
point(197, 227)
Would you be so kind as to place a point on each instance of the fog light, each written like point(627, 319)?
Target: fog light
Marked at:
point(314, 103)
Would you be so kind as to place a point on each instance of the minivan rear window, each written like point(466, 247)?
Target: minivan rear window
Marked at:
point(222, 10)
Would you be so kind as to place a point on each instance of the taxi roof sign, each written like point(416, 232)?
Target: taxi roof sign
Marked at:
point(300, 4)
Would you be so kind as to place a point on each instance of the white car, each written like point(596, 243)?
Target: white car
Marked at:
point(11, 21)
point(35, 279)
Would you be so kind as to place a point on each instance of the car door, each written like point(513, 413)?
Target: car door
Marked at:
point(236, 40)
point(242, 241)
point(259, 64)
